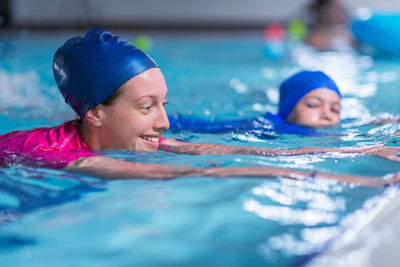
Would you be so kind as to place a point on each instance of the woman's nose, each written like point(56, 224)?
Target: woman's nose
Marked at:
point(162, 121)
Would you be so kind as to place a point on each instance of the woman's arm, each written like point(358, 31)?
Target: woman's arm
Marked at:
point(180, 147)
point(109, 168)
point(175, 146)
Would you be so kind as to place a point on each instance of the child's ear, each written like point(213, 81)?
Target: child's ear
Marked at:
point(95, 116)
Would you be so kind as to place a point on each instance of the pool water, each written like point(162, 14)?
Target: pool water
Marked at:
point(55, 218)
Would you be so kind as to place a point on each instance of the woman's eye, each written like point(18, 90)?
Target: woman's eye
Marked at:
point(147, 108)
point(165, 103)
point(311, 105)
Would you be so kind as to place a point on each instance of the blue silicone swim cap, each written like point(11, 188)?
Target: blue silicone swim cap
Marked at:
point(297, 86)
point(90, 69)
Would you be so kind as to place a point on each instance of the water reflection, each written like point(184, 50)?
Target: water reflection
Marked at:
point(24, 190)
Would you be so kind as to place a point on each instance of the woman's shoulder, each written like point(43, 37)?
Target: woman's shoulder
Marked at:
point(24, 141)
point(52, 147)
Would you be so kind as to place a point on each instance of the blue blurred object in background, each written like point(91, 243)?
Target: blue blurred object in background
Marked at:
point(380, 30)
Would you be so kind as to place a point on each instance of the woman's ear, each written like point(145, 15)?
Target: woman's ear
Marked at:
point(95, 116)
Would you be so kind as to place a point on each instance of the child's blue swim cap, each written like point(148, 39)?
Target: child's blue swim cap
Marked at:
point(297, 86)
point(90, 69)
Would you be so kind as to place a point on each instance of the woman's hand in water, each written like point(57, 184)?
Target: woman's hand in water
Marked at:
point(390, 153)
point(382, 121)
point(391, 179)
point(385, 181)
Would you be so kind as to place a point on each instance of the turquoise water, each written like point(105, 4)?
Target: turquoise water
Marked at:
point(54, 218)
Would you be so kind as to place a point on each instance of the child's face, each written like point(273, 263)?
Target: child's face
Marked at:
point(317, 109)
point(137, 118)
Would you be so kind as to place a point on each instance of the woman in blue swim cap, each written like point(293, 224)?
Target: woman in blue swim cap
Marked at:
point(120, 94)
point(92, 72)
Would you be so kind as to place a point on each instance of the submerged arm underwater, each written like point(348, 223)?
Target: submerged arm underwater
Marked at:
point(109, 168)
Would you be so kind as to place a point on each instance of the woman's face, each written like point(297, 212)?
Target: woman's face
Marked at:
point(137, 117)
point(317, 109)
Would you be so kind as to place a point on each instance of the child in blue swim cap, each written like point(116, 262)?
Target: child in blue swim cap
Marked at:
point(311, 99)
point(119, 93)
point(308, 100)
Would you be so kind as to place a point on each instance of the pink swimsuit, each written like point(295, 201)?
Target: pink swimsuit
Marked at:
point(46, 147)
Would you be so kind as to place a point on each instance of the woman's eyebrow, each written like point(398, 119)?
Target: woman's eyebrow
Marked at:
point(153, 97)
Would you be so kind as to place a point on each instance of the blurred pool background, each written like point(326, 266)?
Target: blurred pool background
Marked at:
point(52, 217)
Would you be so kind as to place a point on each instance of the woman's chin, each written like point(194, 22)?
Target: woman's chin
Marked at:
point(147, 147)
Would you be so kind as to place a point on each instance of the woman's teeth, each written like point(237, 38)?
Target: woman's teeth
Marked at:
point(150, 139)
